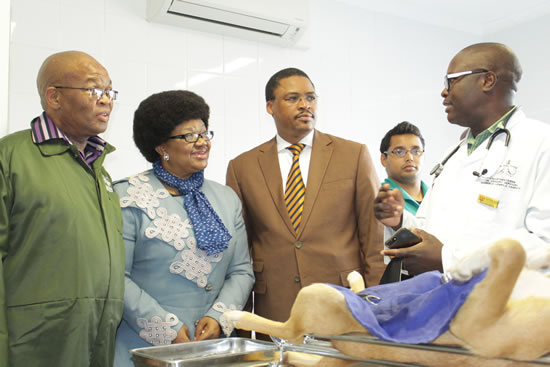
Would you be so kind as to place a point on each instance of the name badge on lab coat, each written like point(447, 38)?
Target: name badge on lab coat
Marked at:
point(485, 200)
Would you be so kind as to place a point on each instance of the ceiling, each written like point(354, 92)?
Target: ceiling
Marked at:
point(474, 16)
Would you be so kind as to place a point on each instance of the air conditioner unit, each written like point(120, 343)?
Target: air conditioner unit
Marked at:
point(276, 21)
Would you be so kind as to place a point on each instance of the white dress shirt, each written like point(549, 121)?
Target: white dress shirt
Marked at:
point(285, 157)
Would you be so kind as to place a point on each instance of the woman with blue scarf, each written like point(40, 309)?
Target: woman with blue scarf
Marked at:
point(187, 257)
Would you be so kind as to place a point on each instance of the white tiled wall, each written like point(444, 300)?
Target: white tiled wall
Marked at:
point(371, 72)
point(531, 42)
point(4, 65)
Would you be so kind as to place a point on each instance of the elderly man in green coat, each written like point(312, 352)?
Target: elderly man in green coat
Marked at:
point(62, 269)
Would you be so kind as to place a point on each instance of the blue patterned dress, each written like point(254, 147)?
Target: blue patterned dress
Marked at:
point(169, 281)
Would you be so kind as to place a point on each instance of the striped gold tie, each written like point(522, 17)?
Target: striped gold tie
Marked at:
point(295, 190)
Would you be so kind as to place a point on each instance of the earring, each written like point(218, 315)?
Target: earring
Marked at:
point(166, 156)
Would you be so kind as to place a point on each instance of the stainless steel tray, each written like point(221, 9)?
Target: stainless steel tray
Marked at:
point(219, 352)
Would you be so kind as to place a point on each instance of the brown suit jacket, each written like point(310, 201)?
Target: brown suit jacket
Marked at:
point(339, 232)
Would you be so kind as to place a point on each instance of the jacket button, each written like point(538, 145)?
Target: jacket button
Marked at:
point(197, 323)
point(297, 279)
point(208, 287)
point(298, 244)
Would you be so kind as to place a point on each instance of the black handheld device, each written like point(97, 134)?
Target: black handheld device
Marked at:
point(403, 238)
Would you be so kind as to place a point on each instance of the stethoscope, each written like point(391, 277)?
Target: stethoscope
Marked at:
point(438, 168)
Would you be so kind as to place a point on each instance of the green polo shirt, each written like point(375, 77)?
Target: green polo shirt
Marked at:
point(411, 205)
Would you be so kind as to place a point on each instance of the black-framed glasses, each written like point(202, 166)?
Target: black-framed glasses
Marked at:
point(95, 92)
point(401, 152)
point(449, 79)
point(194, 137)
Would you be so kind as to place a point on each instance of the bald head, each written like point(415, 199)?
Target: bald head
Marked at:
point(495, 57)
point(60, 69)
point(479, 98)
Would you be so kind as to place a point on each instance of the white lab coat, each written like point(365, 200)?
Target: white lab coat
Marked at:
point(518, 177)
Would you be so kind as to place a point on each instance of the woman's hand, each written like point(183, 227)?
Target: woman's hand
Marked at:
point(207, 328)
point(183, 335)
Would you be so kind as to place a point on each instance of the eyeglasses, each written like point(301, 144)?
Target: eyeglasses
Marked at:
point(95, 92)
point(194, 137)
point(450, 78)
point(293, 99)
point(400, 152)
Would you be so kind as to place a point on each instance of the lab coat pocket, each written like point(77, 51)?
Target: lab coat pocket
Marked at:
point(490, 198)
point(488, 203)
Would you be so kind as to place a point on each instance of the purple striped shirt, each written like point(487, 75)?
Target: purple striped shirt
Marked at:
point(43, 129)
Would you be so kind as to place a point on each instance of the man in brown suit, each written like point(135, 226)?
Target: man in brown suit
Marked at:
point(333, 231)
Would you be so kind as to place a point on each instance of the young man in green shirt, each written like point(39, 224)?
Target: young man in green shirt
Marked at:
point(401, 153)
point(402, 150)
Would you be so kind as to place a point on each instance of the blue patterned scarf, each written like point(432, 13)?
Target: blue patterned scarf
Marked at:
point(210, 232)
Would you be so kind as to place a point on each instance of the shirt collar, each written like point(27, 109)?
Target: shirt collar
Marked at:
point(473, 143)
point(282, 144)
point(44, 129)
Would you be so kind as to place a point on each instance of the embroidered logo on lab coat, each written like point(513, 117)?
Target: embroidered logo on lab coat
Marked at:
point(506, 170)
point(503, 177)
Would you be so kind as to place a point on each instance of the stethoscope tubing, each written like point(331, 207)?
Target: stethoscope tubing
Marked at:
point(438, 168)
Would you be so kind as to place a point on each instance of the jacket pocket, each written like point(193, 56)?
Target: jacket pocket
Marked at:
point(39, 329)
point(260, 285)
point(337, 185)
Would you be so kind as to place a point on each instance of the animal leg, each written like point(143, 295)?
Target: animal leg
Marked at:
point(318, 309)
point(487, 302)
point(249, 321)
point(356, 282)
point(470, 265)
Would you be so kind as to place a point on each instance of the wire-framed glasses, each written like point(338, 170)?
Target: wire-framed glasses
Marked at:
point(295, 98)
point(95, 92)
point(401, 152)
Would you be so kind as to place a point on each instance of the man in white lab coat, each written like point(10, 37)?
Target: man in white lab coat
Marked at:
point(495, 183)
